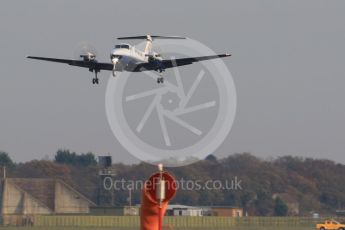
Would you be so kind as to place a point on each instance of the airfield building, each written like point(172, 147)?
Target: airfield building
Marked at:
point(29, 196)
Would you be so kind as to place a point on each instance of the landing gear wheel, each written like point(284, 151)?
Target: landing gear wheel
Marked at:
point(95, 81)
point(160, 80)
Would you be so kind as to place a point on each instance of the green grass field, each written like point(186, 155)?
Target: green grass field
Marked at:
point(99, 228)
point(57, 222)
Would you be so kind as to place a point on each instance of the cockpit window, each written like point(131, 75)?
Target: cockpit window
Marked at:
point(123, 46)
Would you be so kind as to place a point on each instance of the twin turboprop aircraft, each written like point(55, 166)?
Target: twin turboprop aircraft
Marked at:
point(125, 57)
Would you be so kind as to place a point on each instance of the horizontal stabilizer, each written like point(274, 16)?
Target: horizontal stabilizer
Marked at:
point(150, 36)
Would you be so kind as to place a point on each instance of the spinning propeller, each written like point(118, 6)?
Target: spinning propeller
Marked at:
point(85, 51)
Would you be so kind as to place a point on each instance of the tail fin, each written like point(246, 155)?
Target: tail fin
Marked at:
point(148, 45)
point(149, 39)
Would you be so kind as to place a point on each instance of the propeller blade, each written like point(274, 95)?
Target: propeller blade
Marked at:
point(85, 51)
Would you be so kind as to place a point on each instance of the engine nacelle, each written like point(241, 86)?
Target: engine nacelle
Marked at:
point(154, 57)
point(88, 57)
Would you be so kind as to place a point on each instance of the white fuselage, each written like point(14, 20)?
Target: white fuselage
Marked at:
point(126, 56)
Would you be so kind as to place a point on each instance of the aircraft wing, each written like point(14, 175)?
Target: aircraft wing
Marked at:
point(169, 63)
point(80, 63)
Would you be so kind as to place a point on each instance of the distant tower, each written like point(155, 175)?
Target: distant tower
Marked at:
point(106, 193)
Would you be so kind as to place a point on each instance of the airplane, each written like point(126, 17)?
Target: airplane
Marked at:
point(125, 57)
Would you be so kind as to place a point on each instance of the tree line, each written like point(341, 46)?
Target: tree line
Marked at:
point(268, 187)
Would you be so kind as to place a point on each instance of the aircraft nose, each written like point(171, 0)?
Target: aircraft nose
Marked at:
point(114, 60)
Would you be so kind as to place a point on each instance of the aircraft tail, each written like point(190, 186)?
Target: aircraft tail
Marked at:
point(148, 45)
point(149, 39)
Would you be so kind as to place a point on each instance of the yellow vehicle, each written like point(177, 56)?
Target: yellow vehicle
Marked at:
point(330, 225)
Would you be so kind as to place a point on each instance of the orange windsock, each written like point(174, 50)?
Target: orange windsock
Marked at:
point(151, 214)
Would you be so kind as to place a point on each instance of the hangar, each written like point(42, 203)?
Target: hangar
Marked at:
point(29, 196)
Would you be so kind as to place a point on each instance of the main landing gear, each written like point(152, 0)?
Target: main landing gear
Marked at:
point(160, 80)
point(95, 80)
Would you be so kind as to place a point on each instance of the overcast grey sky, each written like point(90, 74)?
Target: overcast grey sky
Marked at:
point(288, 66)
